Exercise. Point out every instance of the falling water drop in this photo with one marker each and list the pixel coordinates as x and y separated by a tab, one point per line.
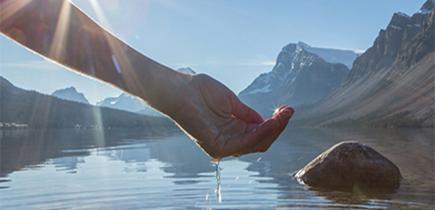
218	182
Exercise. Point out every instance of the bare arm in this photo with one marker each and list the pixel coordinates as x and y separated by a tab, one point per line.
207	110
59	31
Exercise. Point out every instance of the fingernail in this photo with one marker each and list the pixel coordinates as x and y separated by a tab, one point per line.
283	107
291	110
288	111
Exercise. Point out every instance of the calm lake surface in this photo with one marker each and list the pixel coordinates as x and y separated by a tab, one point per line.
130	169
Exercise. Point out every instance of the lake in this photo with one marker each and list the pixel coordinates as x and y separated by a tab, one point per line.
131	169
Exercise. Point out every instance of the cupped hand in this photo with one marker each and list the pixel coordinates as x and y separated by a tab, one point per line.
221	124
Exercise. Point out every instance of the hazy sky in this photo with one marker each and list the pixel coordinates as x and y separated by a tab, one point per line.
233	41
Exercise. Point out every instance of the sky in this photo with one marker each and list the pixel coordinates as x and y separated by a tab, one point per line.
233	41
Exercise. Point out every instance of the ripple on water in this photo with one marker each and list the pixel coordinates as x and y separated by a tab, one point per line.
171	172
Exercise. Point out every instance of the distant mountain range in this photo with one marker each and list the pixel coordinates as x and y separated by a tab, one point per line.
124	101
36	110
389	85
70	94
131	103
299	77
128	103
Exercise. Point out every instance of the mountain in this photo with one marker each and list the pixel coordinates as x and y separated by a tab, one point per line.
389	85
131	103
299	77
128	103
23	107
186	70
70	94
345	57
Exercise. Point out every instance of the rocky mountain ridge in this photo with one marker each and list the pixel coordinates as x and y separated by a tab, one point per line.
299	77
391	84
70	94
35	110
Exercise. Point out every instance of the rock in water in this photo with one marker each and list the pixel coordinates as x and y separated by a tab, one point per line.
351	166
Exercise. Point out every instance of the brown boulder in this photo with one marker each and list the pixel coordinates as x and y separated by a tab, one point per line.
351	166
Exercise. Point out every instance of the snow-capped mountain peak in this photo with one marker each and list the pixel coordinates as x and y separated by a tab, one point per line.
298	77
131	103
127	102
124	102
427	7
186	70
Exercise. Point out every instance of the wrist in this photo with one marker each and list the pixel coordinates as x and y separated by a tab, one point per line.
168	90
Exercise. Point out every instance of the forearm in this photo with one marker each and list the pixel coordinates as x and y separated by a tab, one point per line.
61	32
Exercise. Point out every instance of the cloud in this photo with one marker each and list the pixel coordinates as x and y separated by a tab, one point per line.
268	63
217	62
32	64
261	62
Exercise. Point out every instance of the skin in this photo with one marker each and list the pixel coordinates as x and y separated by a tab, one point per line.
209	112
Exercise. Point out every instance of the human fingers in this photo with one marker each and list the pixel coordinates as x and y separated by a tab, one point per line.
282	116
264	134
245	113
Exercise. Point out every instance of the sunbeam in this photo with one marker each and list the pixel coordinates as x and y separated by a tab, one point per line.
99	135
100	14
61	33
120	60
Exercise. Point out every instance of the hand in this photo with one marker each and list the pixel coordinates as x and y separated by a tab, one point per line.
221	124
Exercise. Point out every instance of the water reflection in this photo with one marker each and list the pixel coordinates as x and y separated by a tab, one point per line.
412	150
22	148
143	169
